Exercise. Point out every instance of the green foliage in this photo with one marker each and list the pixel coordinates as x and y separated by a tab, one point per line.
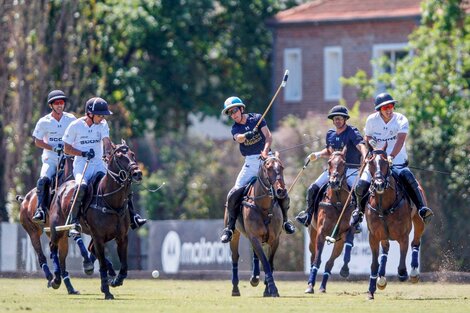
432	86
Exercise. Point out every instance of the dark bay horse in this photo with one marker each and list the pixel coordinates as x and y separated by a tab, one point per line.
261	223
329	210
390	216
104	215
28	207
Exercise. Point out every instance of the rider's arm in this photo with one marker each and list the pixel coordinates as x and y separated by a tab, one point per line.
398	145
68	149
269	140
41	144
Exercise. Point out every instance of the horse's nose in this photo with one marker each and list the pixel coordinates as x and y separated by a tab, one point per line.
137	176
281	193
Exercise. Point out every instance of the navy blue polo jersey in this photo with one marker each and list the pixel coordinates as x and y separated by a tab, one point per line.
256	144
350	138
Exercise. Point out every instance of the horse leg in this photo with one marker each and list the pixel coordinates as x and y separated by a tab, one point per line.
271	289
382	280
87	263
402	272
63	251
349	244
337	248
254	280
122	244
99	252
235	256
272	253
374	267
415	244
55	283
36	242
109	264
319	243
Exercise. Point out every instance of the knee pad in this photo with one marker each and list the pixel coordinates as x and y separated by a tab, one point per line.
407	177
284	203
312	192
361	188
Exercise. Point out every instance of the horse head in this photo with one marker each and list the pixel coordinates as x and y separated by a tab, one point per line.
379	170
123	164
337	168
273	175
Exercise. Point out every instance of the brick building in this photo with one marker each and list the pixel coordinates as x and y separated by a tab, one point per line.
323	40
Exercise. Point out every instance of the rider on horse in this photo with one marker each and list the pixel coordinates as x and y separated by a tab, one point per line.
342	136
85	139
386	127
254	146
48	136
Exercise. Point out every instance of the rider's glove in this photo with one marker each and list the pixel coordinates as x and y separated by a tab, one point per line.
373	143
59	149
313	156
88	154
390	160
249	134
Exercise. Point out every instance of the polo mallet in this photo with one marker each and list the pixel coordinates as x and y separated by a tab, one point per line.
331	239
76	193
298	175
67	226
283	84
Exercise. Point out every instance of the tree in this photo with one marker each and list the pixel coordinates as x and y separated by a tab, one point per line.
432	85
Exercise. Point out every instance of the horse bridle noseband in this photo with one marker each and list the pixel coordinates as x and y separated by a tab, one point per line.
385	177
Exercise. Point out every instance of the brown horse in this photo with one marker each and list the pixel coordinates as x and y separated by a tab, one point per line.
329	211
105	215
261	223
390	216
28	207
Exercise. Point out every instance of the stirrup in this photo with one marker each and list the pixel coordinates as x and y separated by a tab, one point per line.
39	217
227	235
304	218
289	228
137	221
426	214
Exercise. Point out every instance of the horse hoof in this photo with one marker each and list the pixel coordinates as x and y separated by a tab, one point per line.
74	292
88	268
344	272
55	284
254	281
414	279
109	296
235	292
309	289
370	296
403	278
381	282
322	290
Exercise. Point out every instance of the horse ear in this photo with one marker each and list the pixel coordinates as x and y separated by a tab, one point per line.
330	150
385	147
276	154
123	142
345	149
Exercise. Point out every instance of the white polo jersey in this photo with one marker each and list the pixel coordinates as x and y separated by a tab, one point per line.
83	137
387	133
51	132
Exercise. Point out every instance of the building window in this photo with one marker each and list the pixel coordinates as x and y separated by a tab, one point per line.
385	58
293	63
333	70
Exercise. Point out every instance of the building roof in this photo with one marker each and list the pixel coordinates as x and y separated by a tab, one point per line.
319	11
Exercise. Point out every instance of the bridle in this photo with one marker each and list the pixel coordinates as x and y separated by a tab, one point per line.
265	180
380	181
338	179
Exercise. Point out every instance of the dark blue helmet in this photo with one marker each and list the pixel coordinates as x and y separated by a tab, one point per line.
56	95
383	99
338	110
97	106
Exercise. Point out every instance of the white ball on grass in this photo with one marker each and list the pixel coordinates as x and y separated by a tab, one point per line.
155	274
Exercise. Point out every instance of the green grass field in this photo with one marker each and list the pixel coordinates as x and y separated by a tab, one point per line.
157	295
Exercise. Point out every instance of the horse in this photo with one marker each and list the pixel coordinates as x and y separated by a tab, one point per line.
390	216
28	206
104	216
329	211
261	223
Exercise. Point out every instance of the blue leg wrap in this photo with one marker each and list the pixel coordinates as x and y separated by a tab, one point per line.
383	264
55	262
81	246
235	279
313	275
324	281
46	271
256	270
415	257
